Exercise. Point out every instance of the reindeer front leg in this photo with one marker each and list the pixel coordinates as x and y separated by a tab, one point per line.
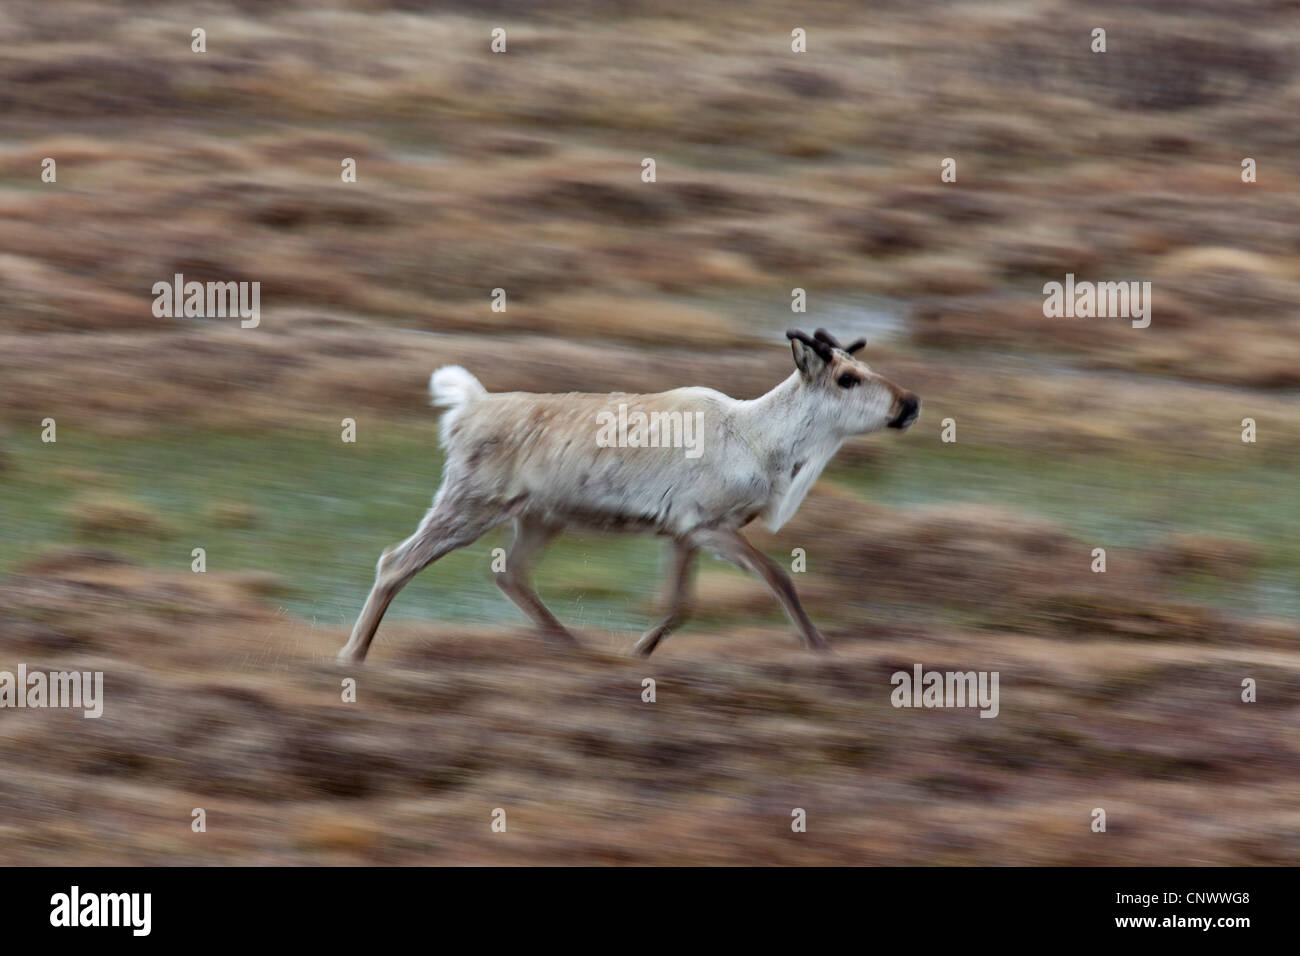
732	546
679	597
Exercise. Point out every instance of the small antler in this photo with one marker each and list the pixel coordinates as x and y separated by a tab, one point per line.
823	350
828	338
834	343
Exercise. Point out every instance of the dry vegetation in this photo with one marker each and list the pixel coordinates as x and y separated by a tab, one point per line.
1126	709
774	171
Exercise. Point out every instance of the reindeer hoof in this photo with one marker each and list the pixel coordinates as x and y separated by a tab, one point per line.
648	642
817	644
561	638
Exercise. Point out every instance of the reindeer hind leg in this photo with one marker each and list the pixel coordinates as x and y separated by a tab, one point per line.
450	524
531	535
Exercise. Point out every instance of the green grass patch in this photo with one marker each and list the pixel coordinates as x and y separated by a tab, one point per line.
310	508
318	513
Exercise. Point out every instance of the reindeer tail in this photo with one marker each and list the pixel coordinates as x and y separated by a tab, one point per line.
451	386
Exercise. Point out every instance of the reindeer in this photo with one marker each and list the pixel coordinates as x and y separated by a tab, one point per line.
536	460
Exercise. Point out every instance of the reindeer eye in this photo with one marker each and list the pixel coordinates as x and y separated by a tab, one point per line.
848	380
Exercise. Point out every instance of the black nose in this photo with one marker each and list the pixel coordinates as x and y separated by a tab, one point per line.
909	409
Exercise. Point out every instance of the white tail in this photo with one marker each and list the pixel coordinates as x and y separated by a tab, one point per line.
452	386
691	464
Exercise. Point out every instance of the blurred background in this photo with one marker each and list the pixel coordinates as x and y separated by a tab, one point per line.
775	171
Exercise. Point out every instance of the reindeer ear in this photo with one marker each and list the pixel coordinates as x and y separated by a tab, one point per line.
803	357
809	354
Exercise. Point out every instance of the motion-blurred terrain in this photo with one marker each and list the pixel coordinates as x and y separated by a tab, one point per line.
775	170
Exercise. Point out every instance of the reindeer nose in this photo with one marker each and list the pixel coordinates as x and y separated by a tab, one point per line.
909	410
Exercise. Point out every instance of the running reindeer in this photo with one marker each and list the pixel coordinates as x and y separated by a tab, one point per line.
692	464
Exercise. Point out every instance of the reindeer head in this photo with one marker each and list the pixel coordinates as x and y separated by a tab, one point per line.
845	389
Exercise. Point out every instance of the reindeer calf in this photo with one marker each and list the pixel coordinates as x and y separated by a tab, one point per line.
550	461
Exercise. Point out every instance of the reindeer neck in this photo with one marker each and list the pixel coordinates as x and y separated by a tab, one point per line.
793	446
784	423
